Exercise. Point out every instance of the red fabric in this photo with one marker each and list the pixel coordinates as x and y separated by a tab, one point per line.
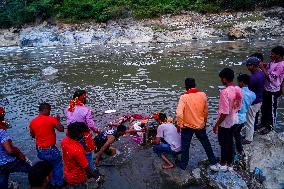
90	144
137	116
43	129
73	103
2	111
75	161
192	90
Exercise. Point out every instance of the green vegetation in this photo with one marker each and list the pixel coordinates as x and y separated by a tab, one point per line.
18	12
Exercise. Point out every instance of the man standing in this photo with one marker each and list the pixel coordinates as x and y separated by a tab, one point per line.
172	141
42	129
229	104
11	158
191	113
256	85
274	76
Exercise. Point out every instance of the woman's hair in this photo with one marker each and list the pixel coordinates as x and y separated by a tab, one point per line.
121	128
79	93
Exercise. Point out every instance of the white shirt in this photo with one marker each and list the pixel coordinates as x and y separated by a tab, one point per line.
169	132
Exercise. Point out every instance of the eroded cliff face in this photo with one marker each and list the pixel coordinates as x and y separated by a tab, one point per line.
168	28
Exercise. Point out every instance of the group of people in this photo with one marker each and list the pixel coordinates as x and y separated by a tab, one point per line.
72	165
239	107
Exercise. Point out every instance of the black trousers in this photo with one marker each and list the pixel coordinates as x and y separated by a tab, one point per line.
225	138
269	108
236	129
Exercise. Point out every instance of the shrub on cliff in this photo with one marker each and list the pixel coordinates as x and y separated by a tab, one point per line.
18	12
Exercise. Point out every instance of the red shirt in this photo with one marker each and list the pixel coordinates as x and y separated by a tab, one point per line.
75	161
89	141
43	128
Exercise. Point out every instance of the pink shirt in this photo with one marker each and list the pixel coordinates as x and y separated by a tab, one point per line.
276	76
81	114
230	103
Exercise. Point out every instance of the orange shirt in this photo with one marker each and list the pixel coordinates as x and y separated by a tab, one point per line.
192	110
75	161
43	129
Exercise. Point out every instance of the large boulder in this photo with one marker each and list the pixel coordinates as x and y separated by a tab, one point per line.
221	180
42	35
267	153
275	12
175	176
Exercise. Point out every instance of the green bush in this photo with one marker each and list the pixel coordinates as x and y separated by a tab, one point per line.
18	12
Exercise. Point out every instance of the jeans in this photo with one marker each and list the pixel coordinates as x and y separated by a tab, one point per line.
54	157
225	138
186	136
250	118
160	149
236	129
269	108
90	159
11	167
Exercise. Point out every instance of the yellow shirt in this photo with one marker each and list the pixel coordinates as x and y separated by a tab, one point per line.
192	110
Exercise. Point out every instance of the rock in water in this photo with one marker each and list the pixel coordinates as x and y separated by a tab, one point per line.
49	71
267	153
175	176
221	180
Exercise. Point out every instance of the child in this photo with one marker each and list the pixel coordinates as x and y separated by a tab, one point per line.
247	98
40	175
229	104
76	165
274	75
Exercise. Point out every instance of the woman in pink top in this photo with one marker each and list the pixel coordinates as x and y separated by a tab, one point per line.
274	75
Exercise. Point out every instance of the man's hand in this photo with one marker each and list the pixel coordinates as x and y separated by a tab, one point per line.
215	128
97	161
178	129
262	65
57	117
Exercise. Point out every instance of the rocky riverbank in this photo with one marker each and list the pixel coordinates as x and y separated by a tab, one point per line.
266	153
166	29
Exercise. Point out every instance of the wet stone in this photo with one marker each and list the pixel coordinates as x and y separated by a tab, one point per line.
175	176
222	180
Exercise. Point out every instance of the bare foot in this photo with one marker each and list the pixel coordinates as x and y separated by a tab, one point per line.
167	166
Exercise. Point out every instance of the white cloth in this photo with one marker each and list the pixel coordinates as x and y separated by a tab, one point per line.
249	125
169	132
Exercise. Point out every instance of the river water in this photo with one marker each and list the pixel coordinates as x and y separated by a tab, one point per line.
141	78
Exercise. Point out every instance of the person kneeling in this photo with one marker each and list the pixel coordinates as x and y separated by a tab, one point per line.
76	165
166	132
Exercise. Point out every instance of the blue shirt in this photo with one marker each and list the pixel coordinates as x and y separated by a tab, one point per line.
247	100
4	156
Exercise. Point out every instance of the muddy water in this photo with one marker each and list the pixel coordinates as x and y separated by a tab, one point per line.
142	78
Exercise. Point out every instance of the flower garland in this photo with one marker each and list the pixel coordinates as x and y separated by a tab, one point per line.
73	103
